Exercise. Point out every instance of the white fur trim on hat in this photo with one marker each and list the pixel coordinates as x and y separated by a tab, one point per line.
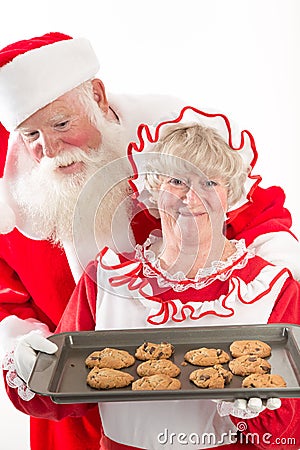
34	79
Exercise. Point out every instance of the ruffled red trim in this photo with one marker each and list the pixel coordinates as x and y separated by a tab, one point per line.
169	309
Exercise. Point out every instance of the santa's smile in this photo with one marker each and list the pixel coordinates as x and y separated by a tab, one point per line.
72	167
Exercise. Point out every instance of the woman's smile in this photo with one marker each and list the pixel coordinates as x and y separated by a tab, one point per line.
191	212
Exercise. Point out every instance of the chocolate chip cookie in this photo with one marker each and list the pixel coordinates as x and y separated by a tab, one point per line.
148	350
248	364
155	366
111	358
208	378
105	378
250	347
226	374
263	381
158	382
206	356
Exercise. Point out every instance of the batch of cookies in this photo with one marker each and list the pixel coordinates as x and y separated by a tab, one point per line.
248	360
156	371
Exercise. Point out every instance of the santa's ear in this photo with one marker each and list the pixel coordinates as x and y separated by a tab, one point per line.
100	95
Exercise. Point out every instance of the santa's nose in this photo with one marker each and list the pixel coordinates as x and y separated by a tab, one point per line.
50	146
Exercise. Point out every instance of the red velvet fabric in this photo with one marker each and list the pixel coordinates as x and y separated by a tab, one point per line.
35	281
8	53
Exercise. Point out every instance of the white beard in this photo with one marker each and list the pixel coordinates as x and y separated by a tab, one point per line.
48	198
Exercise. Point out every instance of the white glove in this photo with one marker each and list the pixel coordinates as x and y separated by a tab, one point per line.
25	352
12	328
247	409
24	337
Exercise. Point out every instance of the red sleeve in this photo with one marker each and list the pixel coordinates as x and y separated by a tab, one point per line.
13	295
264	214
142	223
78	316
35	279
282	426
44	408
80	313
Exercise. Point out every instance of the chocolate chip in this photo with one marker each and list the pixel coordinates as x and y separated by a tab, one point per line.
204	377
219	352
252	359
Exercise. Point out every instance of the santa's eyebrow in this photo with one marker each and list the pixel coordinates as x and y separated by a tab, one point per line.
25	129
61	117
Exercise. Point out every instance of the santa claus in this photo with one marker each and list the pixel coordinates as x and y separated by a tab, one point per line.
63	129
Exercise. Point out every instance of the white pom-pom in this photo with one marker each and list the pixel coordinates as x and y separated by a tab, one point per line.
7	218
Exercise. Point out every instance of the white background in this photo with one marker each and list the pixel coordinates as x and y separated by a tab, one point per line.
239	56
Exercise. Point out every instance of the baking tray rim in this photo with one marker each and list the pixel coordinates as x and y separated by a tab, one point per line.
95	396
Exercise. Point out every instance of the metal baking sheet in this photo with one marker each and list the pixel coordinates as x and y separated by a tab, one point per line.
63	376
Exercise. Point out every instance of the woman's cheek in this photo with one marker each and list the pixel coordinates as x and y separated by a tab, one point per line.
217	202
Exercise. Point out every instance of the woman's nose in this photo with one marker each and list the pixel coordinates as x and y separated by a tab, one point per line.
191	197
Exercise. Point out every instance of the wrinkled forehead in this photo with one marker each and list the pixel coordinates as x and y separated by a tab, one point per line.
64	107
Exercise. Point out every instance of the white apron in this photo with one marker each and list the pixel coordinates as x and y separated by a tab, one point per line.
176	424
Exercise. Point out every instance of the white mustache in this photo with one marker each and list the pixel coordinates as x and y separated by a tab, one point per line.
65	158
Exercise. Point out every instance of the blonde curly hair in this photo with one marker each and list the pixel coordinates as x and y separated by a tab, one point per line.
192	146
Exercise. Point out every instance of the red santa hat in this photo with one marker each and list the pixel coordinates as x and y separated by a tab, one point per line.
33	73
36	71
